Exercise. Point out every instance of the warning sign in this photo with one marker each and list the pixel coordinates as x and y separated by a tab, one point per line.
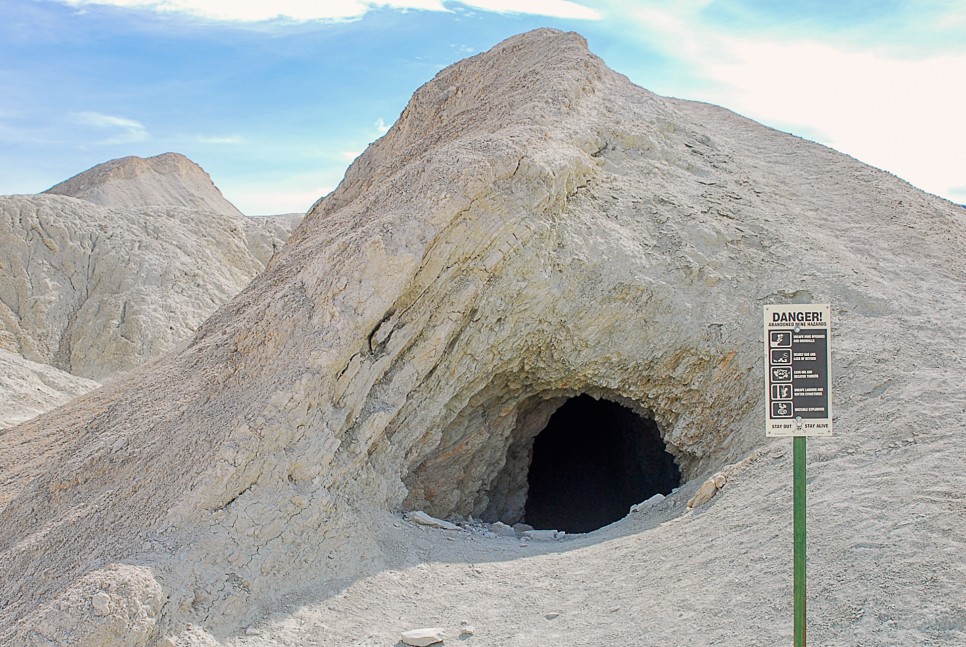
798	361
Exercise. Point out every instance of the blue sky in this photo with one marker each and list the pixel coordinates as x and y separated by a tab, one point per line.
274	99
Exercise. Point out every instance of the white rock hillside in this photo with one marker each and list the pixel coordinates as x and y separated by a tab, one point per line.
170	180
534	227
97	283
28	389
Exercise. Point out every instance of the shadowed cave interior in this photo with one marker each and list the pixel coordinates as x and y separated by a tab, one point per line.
592	462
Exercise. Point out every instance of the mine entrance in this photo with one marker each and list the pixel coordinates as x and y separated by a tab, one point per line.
592	461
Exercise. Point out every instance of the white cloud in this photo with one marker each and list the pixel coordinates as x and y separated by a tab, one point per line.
897	114
126	131
884	107
220	139
381	126
335	10
550	8
350	155
297	10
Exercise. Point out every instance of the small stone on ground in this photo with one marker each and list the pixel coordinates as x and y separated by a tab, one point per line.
423	637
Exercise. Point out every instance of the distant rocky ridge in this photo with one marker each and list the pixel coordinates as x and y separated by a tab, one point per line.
169	180
172	180
122	262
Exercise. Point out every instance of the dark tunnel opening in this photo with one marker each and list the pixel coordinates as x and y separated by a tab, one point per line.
591	463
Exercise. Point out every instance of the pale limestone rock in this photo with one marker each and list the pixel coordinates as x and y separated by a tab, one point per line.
101	603
166	180
657	498
95	291
116	605
423	519
423	637
28	389
533	227
503	530
707	490
704	494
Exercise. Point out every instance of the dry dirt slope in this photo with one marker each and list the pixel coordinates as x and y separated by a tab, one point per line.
532	228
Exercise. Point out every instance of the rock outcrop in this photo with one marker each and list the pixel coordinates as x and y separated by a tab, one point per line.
533	227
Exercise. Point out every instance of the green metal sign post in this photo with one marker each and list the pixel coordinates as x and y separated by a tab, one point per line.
798	359
798	579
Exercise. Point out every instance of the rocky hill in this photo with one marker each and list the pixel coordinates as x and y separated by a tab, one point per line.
169	180
534	231
95	291
123	261
172	180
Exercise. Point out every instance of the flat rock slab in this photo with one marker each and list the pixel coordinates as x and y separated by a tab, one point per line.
424	519
423	637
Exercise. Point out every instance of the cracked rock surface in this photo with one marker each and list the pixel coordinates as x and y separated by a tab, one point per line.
533	227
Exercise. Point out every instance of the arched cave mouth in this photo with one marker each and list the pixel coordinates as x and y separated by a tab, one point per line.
592	461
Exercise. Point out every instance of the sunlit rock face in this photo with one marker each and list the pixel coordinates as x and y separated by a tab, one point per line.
533	228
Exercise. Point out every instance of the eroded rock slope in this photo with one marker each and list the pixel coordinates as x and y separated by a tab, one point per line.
121	262
28	389
169	180
533	227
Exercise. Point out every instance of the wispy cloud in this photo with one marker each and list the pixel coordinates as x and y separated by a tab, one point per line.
291	10
549	8
381	126
219	139
125	131
880	99
336	10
